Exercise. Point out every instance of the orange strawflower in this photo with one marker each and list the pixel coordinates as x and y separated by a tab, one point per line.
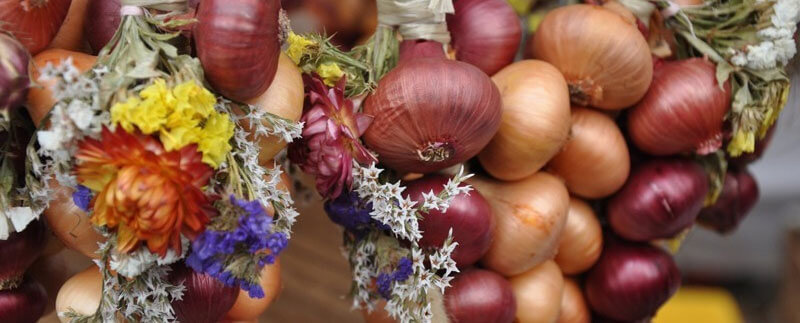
145	192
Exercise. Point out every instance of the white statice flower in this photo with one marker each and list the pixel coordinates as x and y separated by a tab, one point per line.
777	44
134	263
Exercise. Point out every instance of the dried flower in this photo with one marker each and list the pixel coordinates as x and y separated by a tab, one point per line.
298	47
82	197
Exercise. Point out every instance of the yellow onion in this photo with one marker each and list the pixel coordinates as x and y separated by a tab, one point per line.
69	223
53	270
81	293
573	304
246	308
70	35
538	292
582	239
530	215
595	161
605	59
535	121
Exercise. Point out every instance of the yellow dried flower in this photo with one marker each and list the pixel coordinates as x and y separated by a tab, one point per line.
330	73
298	46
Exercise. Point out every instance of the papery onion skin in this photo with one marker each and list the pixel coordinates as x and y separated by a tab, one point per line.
14	79
581	241
105	20
71	224
530	215
420	48
480	296
469	216
33	23
739	196
683	110
538	293
70	35
81	293
535	120
19	251
631	281
573	305
485	33
205	300
605	60
24	304
40	98
431	113
237	43
661	199
595	161
247	308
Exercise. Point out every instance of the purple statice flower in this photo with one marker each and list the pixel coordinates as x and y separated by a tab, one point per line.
82	197
404	270
349	211
384	283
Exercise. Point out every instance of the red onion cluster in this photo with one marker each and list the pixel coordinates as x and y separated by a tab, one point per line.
739	195
206	299
480	296
485	33
24	304
18	252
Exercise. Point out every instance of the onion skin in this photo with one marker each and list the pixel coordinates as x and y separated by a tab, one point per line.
104	22
33	23
420	48
283	98
595	161
480	296
19	251
81	293
23	304
573	305
661	199
535	122
246	308
538	293
71	224
431	114
14	79
469	216
683	110
40	98
581	241
485	33
739	196
530	216
70	35
206	299
631	281
605	60
237	43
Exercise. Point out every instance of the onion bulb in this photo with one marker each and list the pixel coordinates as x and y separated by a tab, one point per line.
246	308
538	292
595	161
573	306
535	122
70	35
81	293
40	98
24	304
283	98
431	113
33	22
69	223
19	251
237	43
661	199
605	59
581	241
683	110
739	195
530	216
485	33
631	281
480	296
104	23
205	300
14	81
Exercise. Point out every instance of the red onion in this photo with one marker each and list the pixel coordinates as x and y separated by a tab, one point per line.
33	22
24	304
631	281
14	79
485	33
469	215
237	43
682	111
739	195
420	48
432	113
104	19
480	296
206	299
660	199
18	252
761	147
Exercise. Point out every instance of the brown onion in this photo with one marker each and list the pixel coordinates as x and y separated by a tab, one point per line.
739	195
33	22
246	308
485	33
535	122
71	224
237	43
595	161
581	241
19	251
480	296
631	281
430	114
538	292
14	80
205	300
573	305
24	304
81	293
683	111
105	20
40	99
70	35
52	271
530	216
661	199
604	58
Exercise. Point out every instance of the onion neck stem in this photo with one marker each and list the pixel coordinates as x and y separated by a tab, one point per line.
10	283
584	91
436	152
